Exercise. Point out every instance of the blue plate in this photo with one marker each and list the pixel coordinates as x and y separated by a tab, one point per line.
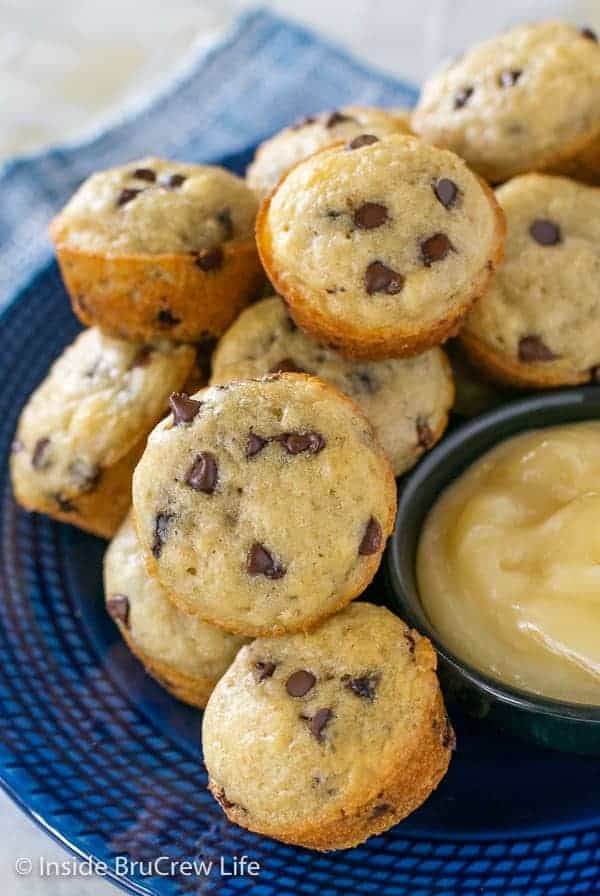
98	755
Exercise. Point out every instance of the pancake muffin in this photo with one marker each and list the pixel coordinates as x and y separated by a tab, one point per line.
380	250
538	325
157	248
184	654
407	400
526	100
84	428
282	151
264	506
344	729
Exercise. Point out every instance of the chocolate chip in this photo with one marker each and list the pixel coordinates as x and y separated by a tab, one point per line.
263	669
435	248
302	442
363	381
300	683
545	232
424	434
226	223
184	408
445	191
410	640
371	540
330	120
175	180
318	722
203	475
286	365
462	97
210	259
94	369
166	319
40	458
126	195
362	140
532	348
85	477
509	77
225	802
448	736
81	304
261	563
64	504
364	686
302	122
161	530
143	357
589	34
255	445
370	215
145	174
380	278
118	608
381	809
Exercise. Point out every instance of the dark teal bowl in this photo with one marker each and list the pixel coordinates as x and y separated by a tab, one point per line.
571	727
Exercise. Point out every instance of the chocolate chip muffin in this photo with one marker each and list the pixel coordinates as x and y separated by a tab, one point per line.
407	400
281	152
84	428
526	100
264	506
538	325
380	249
184	654
159	249
344	729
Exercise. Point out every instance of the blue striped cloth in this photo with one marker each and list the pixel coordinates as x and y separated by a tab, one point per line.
266	73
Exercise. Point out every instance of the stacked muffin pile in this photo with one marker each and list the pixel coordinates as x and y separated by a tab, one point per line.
262	503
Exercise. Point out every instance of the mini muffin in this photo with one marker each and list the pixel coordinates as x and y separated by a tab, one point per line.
526	100
157	248
344	729
184	654
538	325
280	153
380	250
407	400
264	506
84	428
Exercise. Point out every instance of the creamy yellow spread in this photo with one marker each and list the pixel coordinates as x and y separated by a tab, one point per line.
508	563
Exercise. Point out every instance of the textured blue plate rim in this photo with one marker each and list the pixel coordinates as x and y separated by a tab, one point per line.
7	783
17	790
462	835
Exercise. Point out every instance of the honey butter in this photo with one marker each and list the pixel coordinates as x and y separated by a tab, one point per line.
508	564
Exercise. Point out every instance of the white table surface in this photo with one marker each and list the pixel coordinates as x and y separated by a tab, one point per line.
56	86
